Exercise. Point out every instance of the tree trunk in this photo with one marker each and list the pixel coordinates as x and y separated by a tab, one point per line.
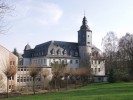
11	85
75	84
34	85
66	83
55	84
60	85
7	87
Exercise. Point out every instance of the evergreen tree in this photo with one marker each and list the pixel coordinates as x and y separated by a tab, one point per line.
111	78
15	52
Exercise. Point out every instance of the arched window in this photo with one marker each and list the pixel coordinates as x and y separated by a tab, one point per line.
52	51
59	52
64	52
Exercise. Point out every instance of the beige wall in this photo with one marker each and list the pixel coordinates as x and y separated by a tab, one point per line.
24	80
5	58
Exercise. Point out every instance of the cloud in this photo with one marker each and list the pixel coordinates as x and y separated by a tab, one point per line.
41	12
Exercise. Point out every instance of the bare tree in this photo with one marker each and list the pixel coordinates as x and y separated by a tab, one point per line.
10	71
84	75
81	74
110	44
33	72
4	8
126	52
66	74
57	71
76	75
15	52
45	73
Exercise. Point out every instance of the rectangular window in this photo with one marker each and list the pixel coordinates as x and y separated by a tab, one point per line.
13	62
71	61
30	78
27	79
92	61
21	80
95	69
76	61
98	69
99	62
88	42
24	69
17	80
10	62
9	86
18	69
24	79
91	69
21	69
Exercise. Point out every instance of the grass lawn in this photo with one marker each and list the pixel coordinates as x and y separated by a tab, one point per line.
97	91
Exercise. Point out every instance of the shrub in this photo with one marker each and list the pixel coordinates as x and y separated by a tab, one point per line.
112	78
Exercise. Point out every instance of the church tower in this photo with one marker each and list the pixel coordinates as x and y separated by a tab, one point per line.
84	43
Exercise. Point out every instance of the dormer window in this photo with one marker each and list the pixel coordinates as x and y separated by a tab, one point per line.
52	51
64	52
59	52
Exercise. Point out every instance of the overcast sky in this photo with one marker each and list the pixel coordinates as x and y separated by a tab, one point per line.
38	21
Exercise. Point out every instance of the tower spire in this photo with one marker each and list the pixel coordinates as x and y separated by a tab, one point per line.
84	23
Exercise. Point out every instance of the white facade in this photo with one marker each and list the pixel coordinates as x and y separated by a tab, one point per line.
98	67
75	55
45	62
26	61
